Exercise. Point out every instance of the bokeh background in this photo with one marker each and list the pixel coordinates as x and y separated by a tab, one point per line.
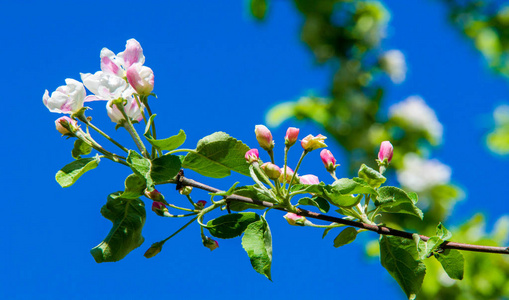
220	68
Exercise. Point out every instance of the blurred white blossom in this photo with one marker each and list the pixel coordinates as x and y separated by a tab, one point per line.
419	174
393	62
417	114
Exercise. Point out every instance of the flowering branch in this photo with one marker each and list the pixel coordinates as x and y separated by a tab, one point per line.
181	180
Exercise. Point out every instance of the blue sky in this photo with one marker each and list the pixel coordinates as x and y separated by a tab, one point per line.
215	70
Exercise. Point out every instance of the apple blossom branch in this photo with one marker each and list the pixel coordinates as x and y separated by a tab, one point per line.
182	181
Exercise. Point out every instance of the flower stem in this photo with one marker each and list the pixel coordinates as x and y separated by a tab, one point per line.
128	125
83	119
181	228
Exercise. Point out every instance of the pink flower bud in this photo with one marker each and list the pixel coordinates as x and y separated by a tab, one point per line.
141	78
186	190
252	156
328	160
291	136
272	171
154	195
66	125
201	203
210	243
289	175
295	220
386	151
264	137
309	179
310	143
159	208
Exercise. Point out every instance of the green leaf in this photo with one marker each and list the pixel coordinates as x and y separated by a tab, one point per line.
231	225
227	193
318	202
134	187
325	232
251	192
168	144
399	257
371	176
348	186
442	232
346	236
165	168
395	200
308	188
216	155
68	175
80	148
141	167
128	218
453	263
257	241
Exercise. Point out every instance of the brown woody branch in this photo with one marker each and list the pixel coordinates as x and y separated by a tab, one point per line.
378	229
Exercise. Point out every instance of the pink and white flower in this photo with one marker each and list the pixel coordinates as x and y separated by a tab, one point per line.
67	99
310	142
264	137
252	155
386	151
309	179
291	136
141	78
131	108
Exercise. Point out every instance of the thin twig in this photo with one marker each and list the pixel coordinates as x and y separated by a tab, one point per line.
378	229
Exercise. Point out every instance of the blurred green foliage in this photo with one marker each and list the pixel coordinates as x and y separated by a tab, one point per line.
347	36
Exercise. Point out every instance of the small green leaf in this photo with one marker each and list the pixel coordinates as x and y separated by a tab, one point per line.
227	193
325	232
371	176
128	218
307	188
80	148
68	175
217	155
453	263
257	241
395	200
250	191
141	167
165	168
356	185
318	202
168	144
442	232
134	187
399	257
346	236
231	225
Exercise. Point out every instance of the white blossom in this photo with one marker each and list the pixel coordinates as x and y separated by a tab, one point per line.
417	114
393	62
419	174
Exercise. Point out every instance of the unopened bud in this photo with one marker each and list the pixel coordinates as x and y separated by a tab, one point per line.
159	208
252	156
289	175
272	171
210	243
185	190
310	142
264	137
295	220
201	203
291	136
309	179
386	151
154	195
328	160
153	250
66	125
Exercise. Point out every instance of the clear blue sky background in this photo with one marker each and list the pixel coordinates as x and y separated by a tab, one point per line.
216	70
